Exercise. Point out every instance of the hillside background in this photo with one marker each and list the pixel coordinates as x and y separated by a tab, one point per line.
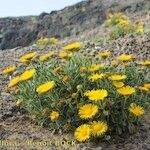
70	21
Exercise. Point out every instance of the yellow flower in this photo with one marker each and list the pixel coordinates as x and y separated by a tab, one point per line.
43	57
54	40
82	133
127	90
28	74
27	57
74	95
18	102
140	27
54	115
118	84
8	70
118	77
96	95
123	22
126	64
96	67
143	88
98	128
147	85
43	41
83	69
114	62
70	55
45	87
46	56
125	57
136	109
144	63
88	111
96	77
72	47
14	81
63	55
104	54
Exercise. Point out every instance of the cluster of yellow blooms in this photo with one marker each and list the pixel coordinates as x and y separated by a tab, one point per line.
46	41
85	131
72	47
97	97
124	24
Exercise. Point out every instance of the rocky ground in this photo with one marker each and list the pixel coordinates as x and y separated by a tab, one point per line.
15	124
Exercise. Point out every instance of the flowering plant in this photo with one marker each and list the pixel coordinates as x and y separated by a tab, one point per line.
80	94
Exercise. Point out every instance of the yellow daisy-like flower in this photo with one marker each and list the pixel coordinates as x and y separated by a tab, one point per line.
72	47
54	115
45	87
82	133
96	77
27	57
98	128
43	57
136	109
140	27
43	41
127	90
18	102
46	56
123	22
96	95
143	88
8	70
118	77
144	63
63	55
114	62
125	57
118	84
147	85
88	111
96	67
14	81
74	95
104	54
28	74
70	55
53	40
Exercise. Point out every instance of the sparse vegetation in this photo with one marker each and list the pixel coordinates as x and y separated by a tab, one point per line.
123	25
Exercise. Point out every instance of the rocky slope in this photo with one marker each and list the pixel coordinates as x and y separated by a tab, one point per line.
73	20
